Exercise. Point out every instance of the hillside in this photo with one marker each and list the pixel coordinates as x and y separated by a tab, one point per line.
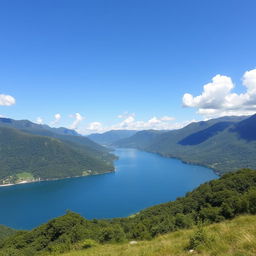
28	157
223	144
230	238
110	137
232	195
5	232
140	140
64	134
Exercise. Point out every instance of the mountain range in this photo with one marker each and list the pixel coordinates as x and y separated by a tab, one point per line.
223	144
110	137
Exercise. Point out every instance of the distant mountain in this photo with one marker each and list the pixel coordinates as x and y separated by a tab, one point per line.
140	140
224	144
247	129
30	152
28	125
61	133
110	137
203	135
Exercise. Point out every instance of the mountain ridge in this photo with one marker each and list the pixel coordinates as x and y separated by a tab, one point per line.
31	152
213	143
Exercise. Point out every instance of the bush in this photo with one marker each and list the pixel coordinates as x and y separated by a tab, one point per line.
88	243
198	239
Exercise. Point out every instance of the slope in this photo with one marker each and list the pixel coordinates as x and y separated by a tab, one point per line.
110	137
218	143
41	157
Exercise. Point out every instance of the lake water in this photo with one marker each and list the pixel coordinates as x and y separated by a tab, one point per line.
141	180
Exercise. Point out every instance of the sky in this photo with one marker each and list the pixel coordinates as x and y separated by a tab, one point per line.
96	65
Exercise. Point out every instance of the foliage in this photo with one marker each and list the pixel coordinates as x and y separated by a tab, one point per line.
24	155
5	232
229	238
199	238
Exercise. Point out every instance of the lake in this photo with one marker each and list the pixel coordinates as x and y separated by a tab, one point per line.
141	180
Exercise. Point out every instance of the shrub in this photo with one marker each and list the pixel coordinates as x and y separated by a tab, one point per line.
198	239
88	243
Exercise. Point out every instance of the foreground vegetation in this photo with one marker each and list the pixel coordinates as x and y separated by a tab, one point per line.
225	198
5	232
230	238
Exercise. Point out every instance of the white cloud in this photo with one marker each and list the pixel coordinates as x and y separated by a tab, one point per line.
39	120
95	126
217	98
56	120
129	122
78	118
6	100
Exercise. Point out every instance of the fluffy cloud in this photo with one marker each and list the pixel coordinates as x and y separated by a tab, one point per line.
78	118
39	120
95	126
129	122
56	120
217	98
6	100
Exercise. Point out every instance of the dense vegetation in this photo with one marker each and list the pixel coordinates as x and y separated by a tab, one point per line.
229	238
231	195
29	157
5	232
221	144
110	137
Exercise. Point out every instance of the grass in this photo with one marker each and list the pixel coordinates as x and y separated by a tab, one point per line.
236	237
24	176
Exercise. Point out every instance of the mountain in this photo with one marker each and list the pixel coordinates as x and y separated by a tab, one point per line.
246	129
140	140
61	133
222	144
31	152
110	137
230	196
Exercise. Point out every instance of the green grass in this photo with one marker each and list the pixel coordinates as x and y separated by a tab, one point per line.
230	238
25	176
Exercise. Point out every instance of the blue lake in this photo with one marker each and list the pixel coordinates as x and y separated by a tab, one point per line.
141	180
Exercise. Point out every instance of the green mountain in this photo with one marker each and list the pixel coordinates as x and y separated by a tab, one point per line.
222	144
61	133
110	137
31	152
232	195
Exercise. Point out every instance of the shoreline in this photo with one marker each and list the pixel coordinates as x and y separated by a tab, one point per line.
54	179
217	172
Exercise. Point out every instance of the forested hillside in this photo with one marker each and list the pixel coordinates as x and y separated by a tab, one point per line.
110	137
28	157
223	144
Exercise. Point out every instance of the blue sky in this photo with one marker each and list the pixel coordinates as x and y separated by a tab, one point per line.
92	61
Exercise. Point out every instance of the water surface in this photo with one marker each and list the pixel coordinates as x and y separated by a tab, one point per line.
141	180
